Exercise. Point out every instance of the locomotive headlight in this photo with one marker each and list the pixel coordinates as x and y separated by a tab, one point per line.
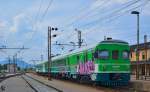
93	76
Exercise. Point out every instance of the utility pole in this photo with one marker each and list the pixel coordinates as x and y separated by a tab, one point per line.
105	38
49	49
137	52
41	57
49	37
145	46
79	38
9	64
14	63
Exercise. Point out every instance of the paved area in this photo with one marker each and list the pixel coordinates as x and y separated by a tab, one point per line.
15	84
142	84
38	86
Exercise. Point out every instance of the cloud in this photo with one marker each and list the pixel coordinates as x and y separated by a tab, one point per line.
3	24
145	9
16	21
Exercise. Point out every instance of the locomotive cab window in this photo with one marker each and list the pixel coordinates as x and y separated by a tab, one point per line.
103	54
125	55
115	54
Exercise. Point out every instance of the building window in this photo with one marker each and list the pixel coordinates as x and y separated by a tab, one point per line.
86	57
143	55
131	55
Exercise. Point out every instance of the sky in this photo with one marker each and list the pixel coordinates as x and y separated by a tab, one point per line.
24	23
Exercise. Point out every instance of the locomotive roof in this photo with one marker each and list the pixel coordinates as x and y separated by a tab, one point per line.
75	51
114	41
88	48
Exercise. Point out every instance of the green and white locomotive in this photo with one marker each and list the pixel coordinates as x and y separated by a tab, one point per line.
106	63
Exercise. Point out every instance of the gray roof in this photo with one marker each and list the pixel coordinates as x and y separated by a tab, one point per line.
141	46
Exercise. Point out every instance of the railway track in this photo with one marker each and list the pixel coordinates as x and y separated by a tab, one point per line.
6	77
38	86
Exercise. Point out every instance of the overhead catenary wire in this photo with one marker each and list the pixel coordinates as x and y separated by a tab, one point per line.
86	14
38	13
46	10
109	20
34	26
109	15
44	14
129	10
125	5
36	19
100	6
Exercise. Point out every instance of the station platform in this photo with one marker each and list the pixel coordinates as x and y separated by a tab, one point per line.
141	84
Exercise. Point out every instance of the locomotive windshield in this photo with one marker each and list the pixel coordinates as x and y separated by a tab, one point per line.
103	54
125	55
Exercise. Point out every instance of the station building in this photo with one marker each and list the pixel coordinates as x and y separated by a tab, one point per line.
144	58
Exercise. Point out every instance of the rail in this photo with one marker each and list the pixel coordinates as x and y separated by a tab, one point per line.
31	81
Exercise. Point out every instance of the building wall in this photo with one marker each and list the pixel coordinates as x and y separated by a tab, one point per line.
10	68
142	55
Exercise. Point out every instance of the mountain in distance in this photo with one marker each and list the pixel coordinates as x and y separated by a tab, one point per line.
20	63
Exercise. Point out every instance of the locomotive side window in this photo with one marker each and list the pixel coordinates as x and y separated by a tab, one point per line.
103	54
115	54
125	55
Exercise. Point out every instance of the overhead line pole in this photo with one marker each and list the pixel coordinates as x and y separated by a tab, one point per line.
79	38
49	49
9	64
49	32
145	46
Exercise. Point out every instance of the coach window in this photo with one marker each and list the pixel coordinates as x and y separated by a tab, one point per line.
103	54
92	55
125	55
86	56
115	54
78	58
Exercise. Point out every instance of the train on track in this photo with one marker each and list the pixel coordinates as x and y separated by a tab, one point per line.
106	63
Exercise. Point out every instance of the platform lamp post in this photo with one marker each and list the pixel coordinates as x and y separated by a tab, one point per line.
49	49
137	51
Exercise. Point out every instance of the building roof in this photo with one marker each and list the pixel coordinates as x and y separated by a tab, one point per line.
141	46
